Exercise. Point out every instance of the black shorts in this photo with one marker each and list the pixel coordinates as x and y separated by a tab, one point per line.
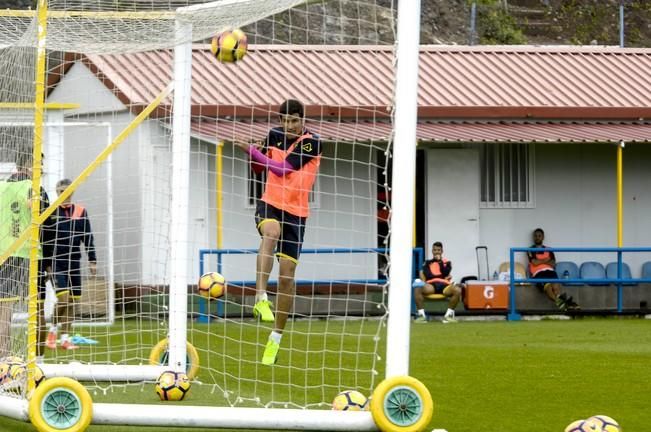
439	287
544	274
68	281
292	229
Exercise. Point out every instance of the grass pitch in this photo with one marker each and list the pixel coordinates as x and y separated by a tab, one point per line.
489	376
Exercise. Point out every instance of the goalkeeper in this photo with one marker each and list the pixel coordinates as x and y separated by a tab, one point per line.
15	218
291	156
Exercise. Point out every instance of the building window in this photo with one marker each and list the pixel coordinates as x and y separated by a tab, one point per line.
507	173
256	184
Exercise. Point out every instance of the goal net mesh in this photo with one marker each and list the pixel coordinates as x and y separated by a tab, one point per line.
106	61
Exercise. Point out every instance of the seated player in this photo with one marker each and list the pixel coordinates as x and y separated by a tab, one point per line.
438	280
542	265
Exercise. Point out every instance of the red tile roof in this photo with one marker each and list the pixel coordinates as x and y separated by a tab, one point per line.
442	131
356	81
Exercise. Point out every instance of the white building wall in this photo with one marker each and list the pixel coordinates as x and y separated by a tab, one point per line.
576	205
81	146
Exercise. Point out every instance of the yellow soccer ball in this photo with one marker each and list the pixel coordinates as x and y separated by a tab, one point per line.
229	46
211	285
583	426
350	400
8	368
172	386
607	424
18	373
4	373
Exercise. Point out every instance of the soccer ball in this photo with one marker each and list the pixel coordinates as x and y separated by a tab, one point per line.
229	46
607	424
583	426
350	400
18	373
172	386
211	285
4	373
8	368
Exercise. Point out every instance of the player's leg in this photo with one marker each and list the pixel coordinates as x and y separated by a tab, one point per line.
60	318
268	226
570	304
289	249
419	298
286	291
65	305
41	330
41	333
553	290
284	302
453	293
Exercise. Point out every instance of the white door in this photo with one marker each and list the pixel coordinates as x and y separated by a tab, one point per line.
452	203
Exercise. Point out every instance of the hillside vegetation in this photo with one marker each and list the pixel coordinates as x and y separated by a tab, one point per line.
566	22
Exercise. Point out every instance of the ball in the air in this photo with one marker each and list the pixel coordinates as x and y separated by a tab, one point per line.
229	46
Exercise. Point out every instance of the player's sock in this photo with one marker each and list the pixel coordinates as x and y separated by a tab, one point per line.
449	313
260	295
421	312
275	336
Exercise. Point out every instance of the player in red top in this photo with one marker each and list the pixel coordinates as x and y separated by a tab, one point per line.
291	157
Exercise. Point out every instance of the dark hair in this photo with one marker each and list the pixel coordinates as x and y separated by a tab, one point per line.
24	159
64	182
438	243
540	230
290	107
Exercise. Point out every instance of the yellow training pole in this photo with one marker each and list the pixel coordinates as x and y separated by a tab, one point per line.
219	198
39	103
620	195
49	105
90	168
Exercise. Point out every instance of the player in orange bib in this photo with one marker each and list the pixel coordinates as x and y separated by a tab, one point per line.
542	265
437	278
290	156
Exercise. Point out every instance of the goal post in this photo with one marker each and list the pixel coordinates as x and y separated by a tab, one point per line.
175	182
404	162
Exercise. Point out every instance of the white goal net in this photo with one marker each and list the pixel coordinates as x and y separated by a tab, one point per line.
140	127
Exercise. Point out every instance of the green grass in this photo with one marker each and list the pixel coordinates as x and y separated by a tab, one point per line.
489	376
